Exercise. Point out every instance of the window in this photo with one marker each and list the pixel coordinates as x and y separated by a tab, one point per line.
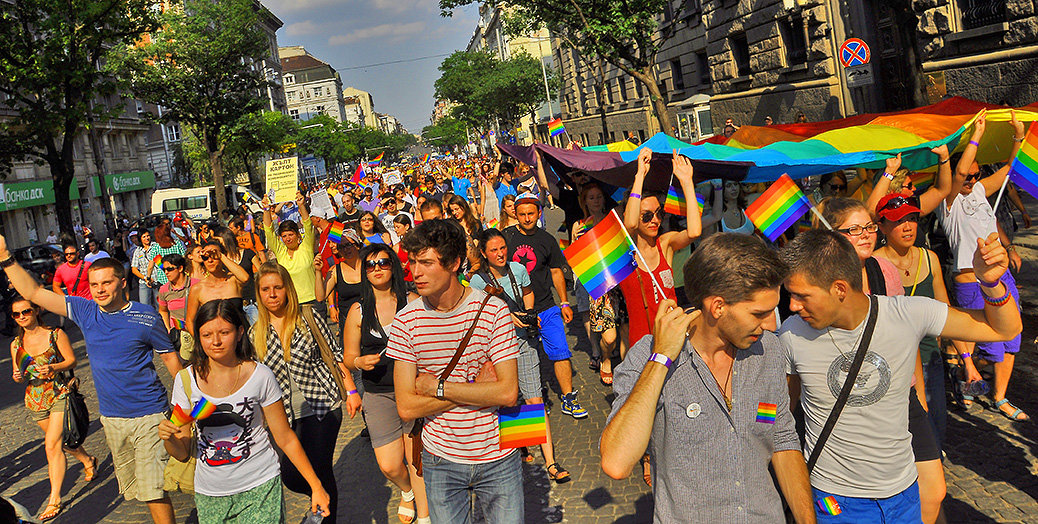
637	87
294	113
290	79
676	77
741	54
703	65
621	83
794	39
140	107
317	92
979	13
319	110
291	95
173	132
327	91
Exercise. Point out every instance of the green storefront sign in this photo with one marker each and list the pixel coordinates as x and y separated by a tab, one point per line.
123	182
18	195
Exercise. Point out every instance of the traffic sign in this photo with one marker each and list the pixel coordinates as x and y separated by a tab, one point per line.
859	76
854	52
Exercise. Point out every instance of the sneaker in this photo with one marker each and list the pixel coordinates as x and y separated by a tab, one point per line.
571	407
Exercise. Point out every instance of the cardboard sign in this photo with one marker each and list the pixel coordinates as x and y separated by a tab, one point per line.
282	179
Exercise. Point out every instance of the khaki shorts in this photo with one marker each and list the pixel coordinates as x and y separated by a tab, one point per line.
138	454
187	345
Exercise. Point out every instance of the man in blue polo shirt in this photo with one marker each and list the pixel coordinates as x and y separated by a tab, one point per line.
120	338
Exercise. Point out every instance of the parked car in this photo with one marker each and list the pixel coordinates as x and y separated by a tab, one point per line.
40	260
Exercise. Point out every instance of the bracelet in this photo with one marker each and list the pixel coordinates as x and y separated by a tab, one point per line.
636	195
1021	139
945	161
660	358
7	262
991	286
965	355
974	143
563	304
351	392
997	302
888	176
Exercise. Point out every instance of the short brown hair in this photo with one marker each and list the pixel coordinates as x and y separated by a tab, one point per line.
731	266
823	257
108	263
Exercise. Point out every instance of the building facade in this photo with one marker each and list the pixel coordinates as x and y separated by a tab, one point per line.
312	87
365	105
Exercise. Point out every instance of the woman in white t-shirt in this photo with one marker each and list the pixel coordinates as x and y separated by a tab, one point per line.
237	476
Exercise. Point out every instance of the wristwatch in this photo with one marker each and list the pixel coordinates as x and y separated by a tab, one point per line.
439	390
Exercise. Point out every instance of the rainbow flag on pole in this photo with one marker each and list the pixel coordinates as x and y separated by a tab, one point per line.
1024	169
555	127
377	160
778	208
603	256
335	232
521	426
676	204
424	159
24	360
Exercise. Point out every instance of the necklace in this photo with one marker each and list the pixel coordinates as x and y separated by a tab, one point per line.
237	377
907	267
828	330
727	380
462	297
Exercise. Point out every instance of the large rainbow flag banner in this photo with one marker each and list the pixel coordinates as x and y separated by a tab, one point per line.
555	127
1024	169
377	160
603	256
522	426
778	208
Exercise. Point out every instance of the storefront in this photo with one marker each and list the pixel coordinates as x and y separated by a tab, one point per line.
131	192
27	214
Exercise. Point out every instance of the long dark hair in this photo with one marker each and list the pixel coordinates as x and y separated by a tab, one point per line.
229	311
368	312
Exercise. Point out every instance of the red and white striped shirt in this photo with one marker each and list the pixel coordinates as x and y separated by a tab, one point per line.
429	339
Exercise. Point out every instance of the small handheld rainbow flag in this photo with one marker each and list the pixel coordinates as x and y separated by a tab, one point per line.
203	409
766	412
157	261
377	160
424	159
176	323
778	208
179	417
335	232
1024	169
521	426
676	204
492	224
556	128
24	360
829	506
602	257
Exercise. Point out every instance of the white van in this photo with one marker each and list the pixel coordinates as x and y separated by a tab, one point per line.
199	203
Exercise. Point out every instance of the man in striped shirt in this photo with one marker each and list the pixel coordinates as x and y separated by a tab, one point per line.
460	436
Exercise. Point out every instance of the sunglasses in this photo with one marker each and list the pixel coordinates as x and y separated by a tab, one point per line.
71	254
207	256
647	216
857	231
22	313
899	201
973	177
382	263
837	187
174	268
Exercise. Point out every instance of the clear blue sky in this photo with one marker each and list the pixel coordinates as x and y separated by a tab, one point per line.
349	33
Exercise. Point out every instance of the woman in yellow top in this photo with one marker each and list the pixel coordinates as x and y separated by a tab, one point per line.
294	251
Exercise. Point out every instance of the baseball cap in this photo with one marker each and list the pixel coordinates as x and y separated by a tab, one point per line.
528	198
350	235
896	206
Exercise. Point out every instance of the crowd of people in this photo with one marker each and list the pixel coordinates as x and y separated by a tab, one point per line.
428	303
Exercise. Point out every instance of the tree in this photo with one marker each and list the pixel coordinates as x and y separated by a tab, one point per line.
485	88
202	68
323	137
255	137
50	53
621	33
448	132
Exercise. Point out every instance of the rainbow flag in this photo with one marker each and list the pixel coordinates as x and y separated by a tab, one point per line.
778	208
24	360
424	159
492	224
179	417
766	412
563	244
203	409
603	256
829	506
157	261
335	232
521	426
922	180
1024	169
676	204
555	127
176	323
377	160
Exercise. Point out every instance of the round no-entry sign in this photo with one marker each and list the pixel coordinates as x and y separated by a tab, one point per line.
854	52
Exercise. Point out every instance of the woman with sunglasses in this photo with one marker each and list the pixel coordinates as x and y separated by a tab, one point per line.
51	353
372	230
285	343
383	293
345	278
247	259
654	279
224	278
850	218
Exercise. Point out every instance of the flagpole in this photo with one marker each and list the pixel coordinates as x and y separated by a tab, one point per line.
1005	181
639	253
820	217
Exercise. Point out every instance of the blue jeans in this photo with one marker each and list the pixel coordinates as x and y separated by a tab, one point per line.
145	294
902	508
933	374
498	487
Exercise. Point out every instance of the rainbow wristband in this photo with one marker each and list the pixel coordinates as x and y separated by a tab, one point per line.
660	358
997	302
974	143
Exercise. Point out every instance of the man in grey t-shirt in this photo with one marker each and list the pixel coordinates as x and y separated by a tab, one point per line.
865	471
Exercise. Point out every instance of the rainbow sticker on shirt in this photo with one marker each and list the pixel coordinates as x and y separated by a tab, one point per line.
829	506
766	412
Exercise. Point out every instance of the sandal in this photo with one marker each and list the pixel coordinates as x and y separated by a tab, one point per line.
606	378
52	510
561	476
526	455
1015	416
90	473
646	471
967	401
404	513
595	363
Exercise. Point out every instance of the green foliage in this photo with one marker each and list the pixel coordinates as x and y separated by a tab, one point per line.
448	132
50	52
485	88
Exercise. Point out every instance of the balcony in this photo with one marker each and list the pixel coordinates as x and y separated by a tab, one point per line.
981	13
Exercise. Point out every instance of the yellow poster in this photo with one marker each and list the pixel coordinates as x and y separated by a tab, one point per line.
282	179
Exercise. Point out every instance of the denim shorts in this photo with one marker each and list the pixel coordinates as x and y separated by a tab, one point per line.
553	334
902	508
969	296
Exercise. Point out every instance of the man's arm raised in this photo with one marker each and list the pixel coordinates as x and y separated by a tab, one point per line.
28	287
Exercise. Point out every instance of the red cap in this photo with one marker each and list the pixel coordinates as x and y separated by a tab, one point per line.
896	206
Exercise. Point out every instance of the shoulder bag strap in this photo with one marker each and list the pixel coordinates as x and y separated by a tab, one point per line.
464	341
82	264
326	351
848	384
874	273
515	287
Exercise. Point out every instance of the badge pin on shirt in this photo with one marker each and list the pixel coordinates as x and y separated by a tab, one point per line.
693	410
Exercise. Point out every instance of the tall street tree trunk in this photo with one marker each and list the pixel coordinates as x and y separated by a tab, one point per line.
215	152
99	164
656	99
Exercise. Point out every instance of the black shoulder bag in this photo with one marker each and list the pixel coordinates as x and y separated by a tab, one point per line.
848	384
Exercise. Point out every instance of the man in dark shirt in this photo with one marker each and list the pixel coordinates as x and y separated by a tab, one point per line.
349	214
539	253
